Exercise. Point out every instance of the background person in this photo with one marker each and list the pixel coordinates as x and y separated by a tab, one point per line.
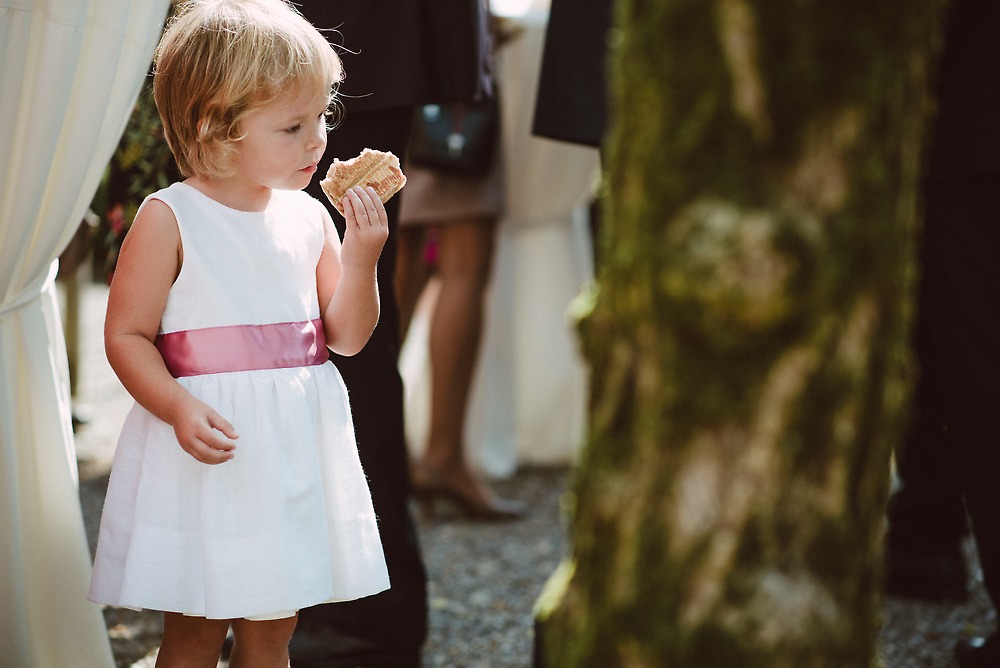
453	216
397	54
958	323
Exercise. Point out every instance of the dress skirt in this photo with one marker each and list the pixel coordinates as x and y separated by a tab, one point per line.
287	523
432	197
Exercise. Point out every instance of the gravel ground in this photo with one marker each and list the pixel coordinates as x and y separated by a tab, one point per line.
484	578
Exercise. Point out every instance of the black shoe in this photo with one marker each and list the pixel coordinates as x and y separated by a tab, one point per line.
978	652
319	649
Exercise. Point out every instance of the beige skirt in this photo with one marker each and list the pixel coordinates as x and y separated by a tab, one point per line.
432	197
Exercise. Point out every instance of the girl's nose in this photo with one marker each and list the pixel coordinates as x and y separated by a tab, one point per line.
318	137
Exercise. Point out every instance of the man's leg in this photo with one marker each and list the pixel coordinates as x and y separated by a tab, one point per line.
927	523
961	287
389	628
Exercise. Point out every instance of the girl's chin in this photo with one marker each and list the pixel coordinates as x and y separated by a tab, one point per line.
298	182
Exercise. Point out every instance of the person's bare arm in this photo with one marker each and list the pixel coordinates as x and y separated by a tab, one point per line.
147	266
346	275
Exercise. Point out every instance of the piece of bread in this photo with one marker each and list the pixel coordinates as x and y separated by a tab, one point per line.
377	169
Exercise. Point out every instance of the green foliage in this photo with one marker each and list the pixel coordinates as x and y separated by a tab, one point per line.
141	164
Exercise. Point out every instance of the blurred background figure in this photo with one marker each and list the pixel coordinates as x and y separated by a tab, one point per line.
926	514
447	228
397	54
572	94
958	323
572	90
72	263
527	400
571	104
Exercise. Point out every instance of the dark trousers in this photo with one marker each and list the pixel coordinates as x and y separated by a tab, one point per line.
959	332
927	513
389	628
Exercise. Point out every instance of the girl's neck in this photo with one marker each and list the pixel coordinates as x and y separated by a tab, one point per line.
232	194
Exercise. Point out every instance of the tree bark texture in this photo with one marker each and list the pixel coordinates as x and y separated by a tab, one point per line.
747	335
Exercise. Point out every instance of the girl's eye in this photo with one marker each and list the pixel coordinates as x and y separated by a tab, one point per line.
295	128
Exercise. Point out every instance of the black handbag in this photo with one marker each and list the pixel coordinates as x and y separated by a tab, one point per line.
456	138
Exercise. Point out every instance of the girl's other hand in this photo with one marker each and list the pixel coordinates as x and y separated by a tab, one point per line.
366	230
200	431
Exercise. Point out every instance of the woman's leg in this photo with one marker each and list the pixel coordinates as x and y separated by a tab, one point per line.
465	253
191	642
261	644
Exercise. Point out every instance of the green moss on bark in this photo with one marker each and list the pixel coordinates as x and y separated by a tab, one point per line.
748	336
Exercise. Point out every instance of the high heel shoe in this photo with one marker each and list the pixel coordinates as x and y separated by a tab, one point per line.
429	485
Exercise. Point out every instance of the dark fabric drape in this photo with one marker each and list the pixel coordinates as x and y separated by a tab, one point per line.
572	91
406	52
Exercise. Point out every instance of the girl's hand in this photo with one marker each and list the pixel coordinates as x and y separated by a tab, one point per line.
200	431
366	231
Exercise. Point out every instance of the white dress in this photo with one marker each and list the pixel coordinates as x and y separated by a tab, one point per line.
288	522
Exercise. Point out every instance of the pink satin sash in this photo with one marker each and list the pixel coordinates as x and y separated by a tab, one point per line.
195	352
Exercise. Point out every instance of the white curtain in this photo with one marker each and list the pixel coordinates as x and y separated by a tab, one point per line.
70	71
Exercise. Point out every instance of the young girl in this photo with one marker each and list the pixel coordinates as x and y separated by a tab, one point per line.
237	496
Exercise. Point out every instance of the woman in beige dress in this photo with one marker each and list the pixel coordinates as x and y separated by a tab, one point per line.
447	230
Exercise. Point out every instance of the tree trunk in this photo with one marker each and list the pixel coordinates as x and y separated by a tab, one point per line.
748	335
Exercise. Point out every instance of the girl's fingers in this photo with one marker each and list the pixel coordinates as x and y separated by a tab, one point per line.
383	218
371	213
217	448
211	453
354	205
348	206
216	421
206	453
365	206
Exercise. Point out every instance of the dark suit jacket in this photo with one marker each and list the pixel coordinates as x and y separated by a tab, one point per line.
965	135
396	54
400	53
572	92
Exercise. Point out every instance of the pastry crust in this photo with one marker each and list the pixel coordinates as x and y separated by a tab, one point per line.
378	169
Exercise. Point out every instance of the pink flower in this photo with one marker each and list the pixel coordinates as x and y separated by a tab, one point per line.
116	219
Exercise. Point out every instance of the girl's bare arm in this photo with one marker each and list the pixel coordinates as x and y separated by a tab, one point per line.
346	275
147	266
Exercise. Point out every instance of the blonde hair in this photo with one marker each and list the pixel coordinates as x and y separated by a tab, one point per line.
219	60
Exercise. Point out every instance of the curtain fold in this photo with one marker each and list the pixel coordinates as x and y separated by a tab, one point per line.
70	71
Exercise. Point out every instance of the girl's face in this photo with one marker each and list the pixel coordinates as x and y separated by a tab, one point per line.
283	140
